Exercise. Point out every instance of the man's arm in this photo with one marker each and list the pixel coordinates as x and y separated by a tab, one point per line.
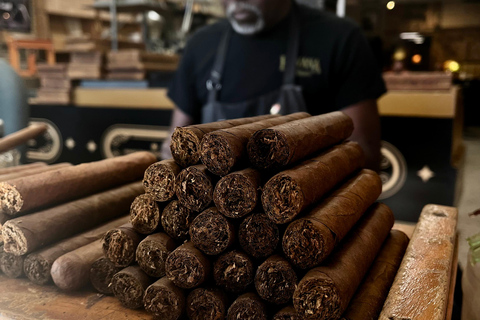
366	131
179	119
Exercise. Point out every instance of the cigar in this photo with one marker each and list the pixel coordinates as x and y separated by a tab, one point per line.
187	267
129	286
152	252
185	144
71	271
224	150
145	214
233	271
165	300
53	187
25	234
21	168
309	240
38	264
32	171
195	187
287	313
291	191
276	147
369	298
211	232
238	193
247	306
120	244
258	235
325	291
206	304
20	137
159	180
176	220
10	264
275	280
101	274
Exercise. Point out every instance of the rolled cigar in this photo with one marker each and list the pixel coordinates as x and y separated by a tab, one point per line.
211	232
291	191
152	252
369	298
165	300
275	280
176	220
129	286
120	244
53	187
278	146
20	137
145	214
22	167
325	291
101	274
26	234
238	193
258	235
287	313
187	267
309	240
32	171
11	265
247	306
71	271
233	271
206	304
159	180
3	218
226	149
38	264
185	145
195	187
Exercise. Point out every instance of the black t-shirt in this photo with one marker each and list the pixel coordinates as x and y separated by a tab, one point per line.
335	65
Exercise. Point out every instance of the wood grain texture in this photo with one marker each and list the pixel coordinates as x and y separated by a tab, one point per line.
420	289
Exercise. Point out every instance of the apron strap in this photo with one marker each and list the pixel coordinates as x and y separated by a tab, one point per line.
214	84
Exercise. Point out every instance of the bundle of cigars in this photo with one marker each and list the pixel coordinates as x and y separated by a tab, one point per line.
268	217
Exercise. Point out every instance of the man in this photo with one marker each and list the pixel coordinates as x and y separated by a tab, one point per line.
278	53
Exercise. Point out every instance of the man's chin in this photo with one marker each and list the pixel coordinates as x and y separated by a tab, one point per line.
247	28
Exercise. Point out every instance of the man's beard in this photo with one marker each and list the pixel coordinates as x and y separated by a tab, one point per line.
245	28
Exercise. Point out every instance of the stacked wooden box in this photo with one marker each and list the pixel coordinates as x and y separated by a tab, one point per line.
85	65
55	86
135	64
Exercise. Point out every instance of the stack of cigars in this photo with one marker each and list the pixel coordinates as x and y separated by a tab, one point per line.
269	217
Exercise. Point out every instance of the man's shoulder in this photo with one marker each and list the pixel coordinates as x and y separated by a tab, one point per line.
209	32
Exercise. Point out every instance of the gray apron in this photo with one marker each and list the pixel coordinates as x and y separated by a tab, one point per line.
288	96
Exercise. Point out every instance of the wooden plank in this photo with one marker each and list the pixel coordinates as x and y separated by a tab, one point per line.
429	104
420	289
123	98
453	281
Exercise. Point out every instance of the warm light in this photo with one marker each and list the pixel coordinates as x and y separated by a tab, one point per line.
399	54
6	15
416	58
390	5
153	16
451	65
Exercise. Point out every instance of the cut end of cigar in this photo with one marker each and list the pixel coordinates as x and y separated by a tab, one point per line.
159	181
235	196
203	304
275	280
11	201
317	299
217	154
268	149
118	248
247	306
128	290
11	265
287	313
282	199
184	147
151	257
144	214
233	271
176	220
304	244
184	269
211	232
165	301
258	235
14	241
101	274
194	189
37	269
